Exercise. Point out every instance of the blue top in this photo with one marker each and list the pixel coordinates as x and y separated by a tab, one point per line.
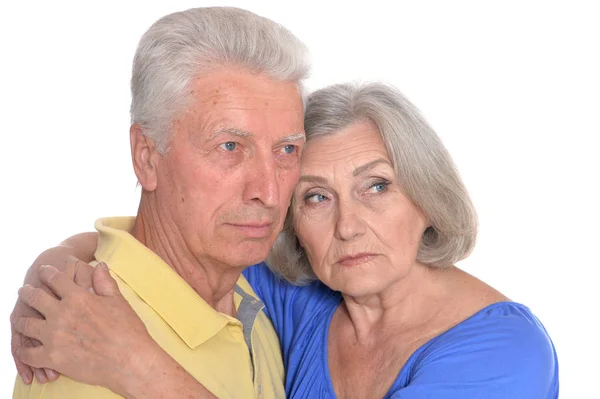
500	352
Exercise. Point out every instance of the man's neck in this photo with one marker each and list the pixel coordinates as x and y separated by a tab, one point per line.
213	281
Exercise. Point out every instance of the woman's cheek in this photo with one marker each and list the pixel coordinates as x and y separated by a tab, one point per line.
315	233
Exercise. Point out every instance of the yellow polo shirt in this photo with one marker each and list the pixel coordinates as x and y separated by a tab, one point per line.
233	358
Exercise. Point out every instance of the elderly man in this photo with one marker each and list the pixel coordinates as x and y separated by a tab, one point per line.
216	136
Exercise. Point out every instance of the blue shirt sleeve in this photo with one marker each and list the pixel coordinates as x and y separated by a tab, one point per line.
504	354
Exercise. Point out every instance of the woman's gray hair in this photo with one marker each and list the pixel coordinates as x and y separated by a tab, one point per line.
180	46
422	164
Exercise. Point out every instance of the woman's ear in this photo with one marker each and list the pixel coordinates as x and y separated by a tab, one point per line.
144	156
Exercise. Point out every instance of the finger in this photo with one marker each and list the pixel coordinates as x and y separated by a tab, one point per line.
25	372
35	357
22	309
104	284
38	299
23	369
52	375
82	272
60	283
29	327
40	376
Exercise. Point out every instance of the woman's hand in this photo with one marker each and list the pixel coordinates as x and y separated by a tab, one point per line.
95	339
64	258
98	339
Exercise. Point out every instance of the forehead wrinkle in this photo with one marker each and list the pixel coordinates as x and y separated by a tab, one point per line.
340	158
326	146
312	178
242	102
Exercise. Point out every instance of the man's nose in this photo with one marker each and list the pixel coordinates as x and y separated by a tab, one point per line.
263	183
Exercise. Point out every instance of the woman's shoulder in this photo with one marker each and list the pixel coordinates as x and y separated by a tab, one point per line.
508	326
503	343
481	308
514	318
489	312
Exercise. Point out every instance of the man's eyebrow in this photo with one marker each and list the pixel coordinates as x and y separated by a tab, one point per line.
312	178
232	131
368	165
243	133
293	137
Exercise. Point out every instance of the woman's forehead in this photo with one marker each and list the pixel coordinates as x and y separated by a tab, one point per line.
349	147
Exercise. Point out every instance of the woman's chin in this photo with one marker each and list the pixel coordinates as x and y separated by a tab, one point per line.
371	278
360	287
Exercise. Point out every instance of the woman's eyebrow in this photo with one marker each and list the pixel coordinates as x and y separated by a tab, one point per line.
368	165
312	178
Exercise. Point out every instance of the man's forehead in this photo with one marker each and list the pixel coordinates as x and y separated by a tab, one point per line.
238	103
234	84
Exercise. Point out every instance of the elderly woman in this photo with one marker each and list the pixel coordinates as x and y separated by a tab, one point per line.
379	216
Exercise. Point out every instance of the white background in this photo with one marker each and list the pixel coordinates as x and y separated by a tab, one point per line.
512	88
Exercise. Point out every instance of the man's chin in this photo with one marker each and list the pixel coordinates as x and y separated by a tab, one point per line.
249	253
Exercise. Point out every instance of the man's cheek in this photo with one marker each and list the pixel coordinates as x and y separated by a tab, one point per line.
288	184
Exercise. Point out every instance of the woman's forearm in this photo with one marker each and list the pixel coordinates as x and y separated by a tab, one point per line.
82	246
70	256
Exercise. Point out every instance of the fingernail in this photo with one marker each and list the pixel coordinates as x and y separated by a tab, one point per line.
103	266
19	291
51	374
43	267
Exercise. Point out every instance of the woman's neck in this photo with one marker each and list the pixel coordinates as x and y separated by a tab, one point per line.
413	300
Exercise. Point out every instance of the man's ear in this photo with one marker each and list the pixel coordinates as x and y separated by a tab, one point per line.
144	156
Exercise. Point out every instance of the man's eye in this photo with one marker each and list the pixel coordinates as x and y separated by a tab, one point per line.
229	146
289	149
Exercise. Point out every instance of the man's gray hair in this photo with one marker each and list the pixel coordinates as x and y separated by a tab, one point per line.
180	46
422	164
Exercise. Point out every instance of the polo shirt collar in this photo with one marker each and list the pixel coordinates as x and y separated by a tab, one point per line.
157	284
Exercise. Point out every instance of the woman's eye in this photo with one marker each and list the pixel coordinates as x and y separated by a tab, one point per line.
378	187
315	198
289	149
229	146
